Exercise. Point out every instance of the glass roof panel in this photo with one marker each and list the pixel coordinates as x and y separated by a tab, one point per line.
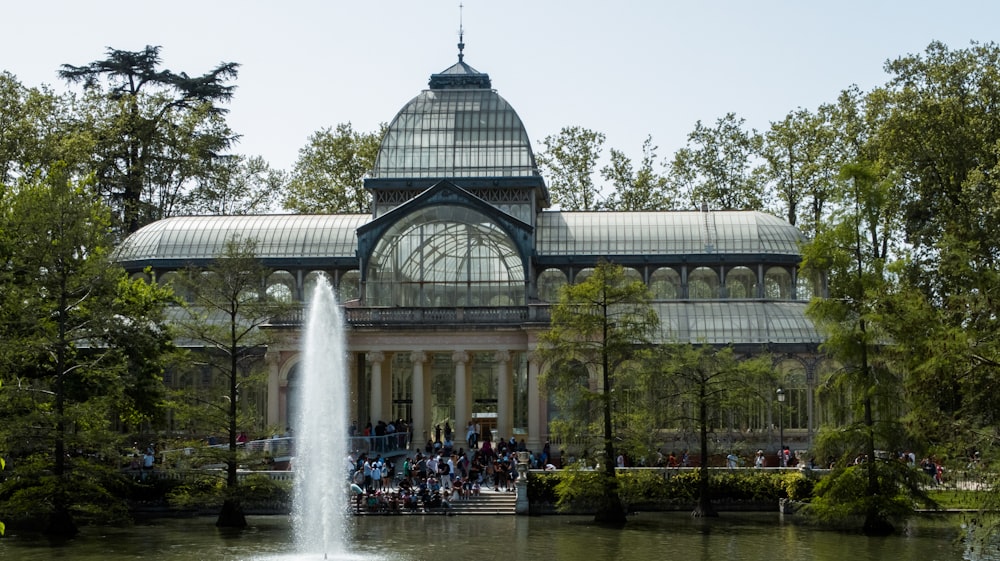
727	322
456	133
670	233
278	236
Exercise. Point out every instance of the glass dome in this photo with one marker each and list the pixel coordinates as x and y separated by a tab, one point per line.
448	133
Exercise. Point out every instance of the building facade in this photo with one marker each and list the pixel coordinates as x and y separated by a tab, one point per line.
447	283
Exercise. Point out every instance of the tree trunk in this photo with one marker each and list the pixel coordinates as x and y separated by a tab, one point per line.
232	515
704	508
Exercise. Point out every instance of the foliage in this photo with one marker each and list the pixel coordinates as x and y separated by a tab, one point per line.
578	489
80	342
602	326
202	491
235	185
637	190
846	493
797	166
155	129
328	177
700	382
30	494
569	161
226	312
716	166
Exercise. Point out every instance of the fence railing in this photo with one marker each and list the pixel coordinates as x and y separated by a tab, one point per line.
279	449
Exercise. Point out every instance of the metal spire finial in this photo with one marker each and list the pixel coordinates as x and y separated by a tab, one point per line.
461	43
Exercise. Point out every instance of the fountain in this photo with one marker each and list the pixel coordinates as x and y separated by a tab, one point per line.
320	510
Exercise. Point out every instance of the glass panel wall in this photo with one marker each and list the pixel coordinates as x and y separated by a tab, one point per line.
443	257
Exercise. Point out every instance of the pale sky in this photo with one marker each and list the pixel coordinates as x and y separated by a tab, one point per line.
627	68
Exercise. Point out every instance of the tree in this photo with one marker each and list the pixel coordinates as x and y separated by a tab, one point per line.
642	190
237	185
36	131
569	161
227	311
716	165
603	324
80	346
328	177
701	382
856	249
157	128
796	165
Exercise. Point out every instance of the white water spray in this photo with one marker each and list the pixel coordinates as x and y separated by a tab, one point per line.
320	428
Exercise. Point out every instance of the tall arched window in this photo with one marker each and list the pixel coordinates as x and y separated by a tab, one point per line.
741	283
550	281
445	256
665	284
777	284
703	283
281	286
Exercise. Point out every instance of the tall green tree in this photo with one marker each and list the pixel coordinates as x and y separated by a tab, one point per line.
80	346
569	162
328	177
227	312
856	249
797	168
157	127
640	189
716	166
604	325
700	383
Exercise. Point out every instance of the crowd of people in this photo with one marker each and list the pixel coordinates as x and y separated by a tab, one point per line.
432	479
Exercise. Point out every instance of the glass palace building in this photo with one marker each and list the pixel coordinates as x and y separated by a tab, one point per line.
448	282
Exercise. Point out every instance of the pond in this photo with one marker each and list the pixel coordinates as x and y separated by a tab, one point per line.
550	538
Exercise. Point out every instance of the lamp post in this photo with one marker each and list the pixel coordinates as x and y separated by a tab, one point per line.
781	425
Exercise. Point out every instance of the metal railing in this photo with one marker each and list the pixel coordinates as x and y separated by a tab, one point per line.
282	449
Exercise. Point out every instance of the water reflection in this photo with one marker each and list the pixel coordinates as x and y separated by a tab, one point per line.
553	538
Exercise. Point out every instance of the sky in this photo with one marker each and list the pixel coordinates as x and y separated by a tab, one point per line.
626	68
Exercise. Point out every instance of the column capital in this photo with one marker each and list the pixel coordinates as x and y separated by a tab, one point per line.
461	357
418	357
502	356
375	356
535	357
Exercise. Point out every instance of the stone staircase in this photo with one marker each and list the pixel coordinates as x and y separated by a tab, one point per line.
488	502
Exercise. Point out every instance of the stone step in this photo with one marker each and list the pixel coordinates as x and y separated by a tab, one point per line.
487	502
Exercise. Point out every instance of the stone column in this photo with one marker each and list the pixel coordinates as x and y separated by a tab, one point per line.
505	390
375	358
535	428
418	429
462	414
271	359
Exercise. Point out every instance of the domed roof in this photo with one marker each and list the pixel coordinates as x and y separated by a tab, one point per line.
459	128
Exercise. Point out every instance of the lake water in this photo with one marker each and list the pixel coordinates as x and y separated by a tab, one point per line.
549	538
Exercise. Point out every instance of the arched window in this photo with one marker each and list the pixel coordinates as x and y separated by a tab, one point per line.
665	284
703	284
807	286
281	286
550	282
445	256
582	275
170	279
777	284
741	283
309	285
349	287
